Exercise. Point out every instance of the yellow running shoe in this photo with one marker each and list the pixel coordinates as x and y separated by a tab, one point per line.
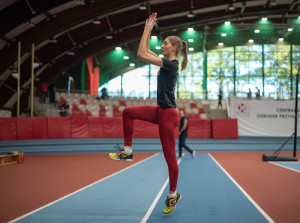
171	203
122	155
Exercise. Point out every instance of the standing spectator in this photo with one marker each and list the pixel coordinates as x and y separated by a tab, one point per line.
220	96
257	93
52	90
249	94
43	89
183	131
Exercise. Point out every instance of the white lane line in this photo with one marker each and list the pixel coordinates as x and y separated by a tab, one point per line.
244	192
151	208
47	205
281	165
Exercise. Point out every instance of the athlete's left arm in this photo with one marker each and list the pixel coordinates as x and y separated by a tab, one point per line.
143	52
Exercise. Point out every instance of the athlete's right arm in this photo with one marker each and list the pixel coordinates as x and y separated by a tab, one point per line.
144	53
148	48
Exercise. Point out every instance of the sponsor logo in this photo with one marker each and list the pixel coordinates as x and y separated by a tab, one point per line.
242	110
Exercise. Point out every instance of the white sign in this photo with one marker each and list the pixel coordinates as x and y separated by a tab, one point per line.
263	117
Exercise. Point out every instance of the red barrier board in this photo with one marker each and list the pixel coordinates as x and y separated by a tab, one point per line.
39	128
95	126
66	127
224	129
199	128
55	128
24	128
79	127
112	127
105	127
8	128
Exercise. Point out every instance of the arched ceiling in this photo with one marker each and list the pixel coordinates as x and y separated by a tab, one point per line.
64	34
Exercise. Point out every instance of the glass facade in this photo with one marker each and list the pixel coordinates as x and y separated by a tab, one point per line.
269	68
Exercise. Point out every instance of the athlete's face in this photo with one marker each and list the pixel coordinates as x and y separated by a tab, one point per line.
167	48
181	113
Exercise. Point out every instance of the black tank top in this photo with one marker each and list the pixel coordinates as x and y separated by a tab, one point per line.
166	83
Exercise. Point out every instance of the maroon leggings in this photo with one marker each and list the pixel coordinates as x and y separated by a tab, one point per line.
167	119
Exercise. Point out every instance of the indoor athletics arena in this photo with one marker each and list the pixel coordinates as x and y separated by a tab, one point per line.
201	97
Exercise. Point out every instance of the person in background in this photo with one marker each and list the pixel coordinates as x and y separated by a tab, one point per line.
220	96
183	131
51	90
249	94
43	89
64	108
257	93
104	94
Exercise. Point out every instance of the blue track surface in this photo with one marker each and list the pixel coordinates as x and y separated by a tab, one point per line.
208	196
90	145
290	165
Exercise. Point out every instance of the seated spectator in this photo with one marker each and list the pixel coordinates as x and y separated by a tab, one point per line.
64	109
104	94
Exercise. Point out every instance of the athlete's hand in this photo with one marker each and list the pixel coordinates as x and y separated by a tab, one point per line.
150	22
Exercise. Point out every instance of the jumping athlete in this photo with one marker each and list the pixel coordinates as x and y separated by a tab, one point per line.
165	113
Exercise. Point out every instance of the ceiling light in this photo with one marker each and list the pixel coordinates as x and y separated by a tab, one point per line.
221	44
52	40
35	65
96	22
227	23
109	37
231	7
161	56
191	49
190	15
224	34
132	64
264	19
251	41
190	29
125	57
158	47
15	75
257	31
190	40
273	3
31	23
142	7
153	37
290	29
281	39
80	2
70	53
118	48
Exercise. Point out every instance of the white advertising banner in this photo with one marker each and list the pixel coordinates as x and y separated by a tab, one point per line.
264	117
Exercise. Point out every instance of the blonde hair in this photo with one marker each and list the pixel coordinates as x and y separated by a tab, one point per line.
181	49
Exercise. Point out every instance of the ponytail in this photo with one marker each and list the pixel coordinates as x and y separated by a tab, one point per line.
184	55
181	49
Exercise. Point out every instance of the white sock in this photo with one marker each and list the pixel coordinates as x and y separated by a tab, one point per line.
172	195
127	150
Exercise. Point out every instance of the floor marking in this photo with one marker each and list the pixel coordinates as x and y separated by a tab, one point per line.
151	208
244	192
277	164
47	205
